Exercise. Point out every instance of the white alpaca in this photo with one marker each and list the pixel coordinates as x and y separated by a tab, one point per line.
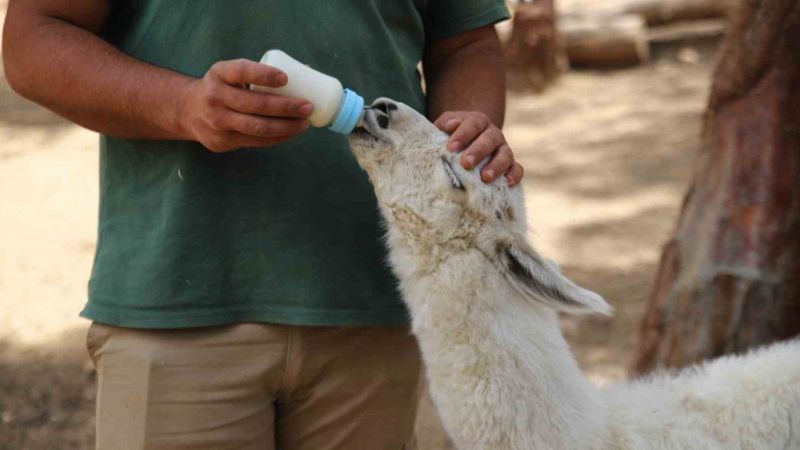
483	306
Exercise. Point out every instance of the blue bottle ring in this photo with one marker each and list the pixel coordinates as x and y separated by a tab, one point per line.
349	113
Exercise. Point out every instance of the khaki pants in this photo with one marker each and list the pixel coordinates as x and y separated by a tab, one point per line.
255	386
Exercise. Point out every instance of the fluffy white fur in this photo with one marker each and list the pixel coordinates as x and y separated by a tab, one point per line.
484	303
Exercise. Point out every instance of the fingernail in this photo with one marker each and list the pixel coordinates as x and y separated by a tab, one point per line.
489	174
306	109
281	79
454	146
451	123
470	161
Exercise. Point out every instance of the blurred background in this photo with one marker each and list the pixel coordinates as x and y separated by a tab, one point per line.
606	110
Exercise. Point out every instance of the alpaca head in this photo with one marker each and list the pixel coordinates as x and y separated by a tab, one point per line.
437	208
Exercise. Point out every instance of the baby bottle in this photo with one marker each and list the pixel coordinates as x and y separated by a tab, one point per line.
337	108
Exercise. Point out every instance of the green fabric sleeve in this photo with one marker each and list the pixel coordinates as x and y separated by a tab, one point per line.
445	18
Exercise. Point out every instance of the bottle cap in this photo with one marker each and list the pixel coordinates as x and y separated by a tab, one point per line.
349	114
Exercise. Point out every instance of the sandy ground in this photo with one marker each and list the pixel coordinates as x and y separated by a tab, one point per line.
608	156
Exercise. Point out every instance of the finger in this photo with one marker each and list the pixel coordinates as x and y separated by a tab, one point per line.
501	162
515	174
240	72
489	141
470	128
445	118
451	125
263	127
263	104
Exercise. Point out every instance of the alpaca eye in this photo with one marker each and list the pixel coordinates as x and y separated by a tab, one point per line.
455	182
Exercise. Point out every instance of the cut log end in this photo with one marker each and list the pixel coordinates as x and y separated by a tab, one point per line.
605	42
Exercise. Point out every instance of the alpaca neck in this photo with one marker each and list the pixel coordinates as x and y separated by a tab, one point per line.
499	368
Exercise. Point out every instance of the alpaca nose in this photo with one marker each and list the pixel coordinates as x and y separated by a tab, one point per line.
383	111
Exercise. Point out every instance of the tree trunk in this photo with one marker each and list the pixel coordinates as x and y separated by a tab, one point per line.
730	277
534	55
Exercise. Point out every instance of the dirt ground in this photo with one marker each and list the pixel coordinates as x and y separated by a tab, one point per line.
608	156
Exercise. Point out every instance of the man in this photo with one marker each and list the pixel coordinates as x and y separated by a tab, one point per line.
239	293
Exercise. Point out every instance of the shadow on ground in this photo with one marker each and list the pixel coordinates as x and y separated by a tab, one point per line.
603	135
46	396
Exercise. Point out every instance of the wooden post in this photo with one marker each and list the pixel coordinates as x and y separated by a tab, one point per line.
729	279
534	55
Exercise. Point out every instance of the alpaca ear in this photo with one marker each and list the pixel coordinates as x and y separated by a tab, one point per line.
542	281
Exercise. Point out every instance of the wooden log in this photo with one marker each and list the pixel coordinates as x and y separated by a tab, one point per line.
687	41
657	12
687	33
606	41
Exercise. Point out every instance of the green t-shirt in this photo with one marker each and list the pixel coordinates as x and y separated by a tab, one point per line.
286	234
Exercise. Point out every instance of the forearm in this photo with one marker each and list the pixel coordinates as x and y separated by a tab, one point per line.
73	72
470	78
467	99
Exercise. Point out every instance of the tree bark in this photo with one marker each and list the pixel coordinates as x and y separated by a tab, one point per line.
534	55
729	279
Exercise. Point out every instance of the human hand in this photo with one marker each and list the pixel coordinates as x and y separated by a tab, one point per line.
483	139
223	115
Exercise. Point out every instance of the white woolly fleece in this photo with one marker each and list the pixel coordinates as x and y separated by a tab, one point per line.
484	309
